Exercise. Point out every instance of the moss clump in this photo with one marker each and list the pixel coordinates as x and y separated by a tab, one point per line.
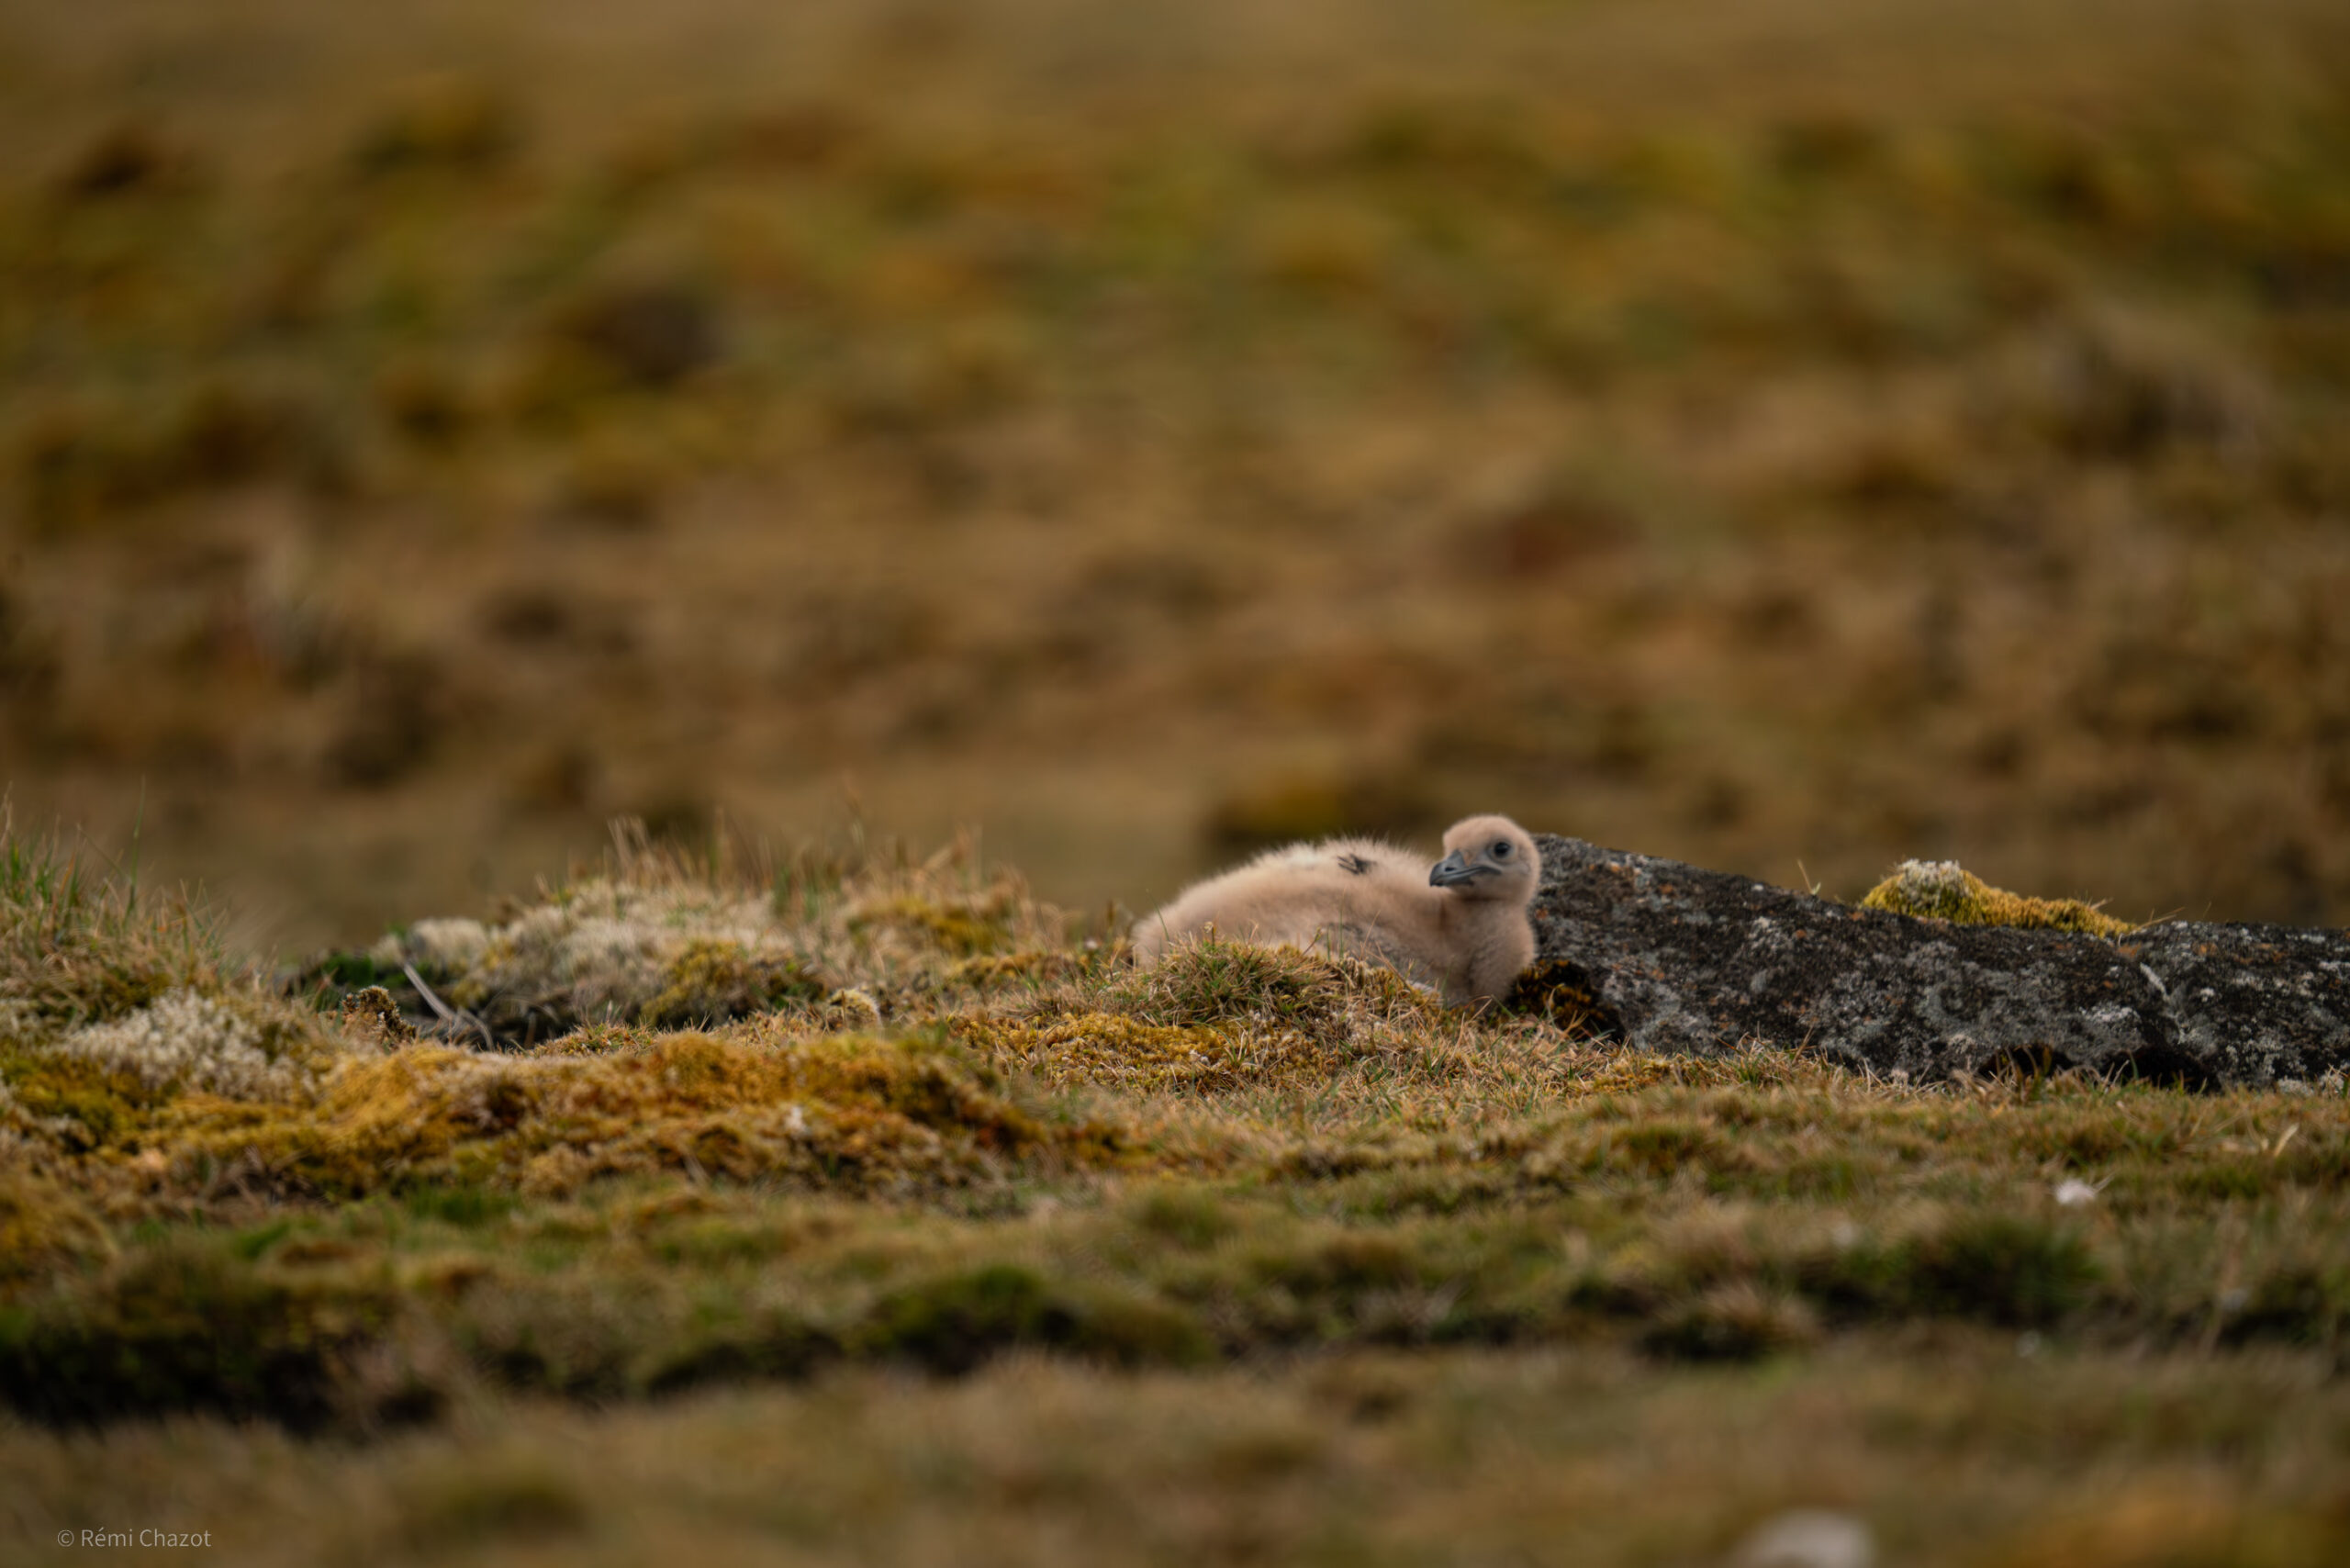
112	1086
71	1103
712	981
656	951
854	1112
1191	1217
1112	1051
43	1229
1321	997
2004	1268
1942	890
1028	968
953	1322
1736	1322
113	1006
967	926
1989	1267
188	1327
250	1046
664	941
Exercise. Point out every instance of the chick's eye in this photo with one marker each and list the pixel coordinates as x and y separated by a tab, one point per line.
1501	850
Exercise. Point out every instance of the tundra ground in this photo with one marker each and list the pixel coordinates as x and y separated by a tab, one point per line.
872	1211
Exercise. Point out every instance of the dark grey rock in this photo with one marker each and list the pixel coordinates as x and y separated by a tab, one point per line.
1696	960
2262	1004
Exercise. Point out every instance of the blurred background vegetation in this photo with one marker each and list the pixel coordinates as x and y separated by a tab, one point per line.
1790	435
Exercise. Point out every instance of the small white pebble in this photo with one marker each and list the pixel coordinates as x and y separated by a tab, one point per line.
2072	1192
1808	1538
2027	1344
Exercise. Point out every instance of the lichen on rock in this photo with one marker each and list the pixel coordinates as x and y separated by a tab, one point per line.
1692	961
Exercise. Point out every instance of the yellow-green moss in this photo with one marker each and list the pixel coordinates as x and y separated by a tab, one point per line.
1317	994
1942	890
1112	1051
72	1102
1031	967
714	979
855	1113
42	1228
967	926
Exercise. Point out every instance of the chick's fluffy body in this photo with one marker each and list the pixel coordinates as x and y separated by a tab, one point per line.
1468	935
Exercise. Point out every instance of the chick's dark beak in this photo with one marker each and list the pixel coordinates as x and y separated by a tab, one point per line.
1453	870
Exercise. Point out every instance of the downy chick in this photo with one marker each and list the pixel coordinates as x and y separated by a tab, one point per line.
1460	927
